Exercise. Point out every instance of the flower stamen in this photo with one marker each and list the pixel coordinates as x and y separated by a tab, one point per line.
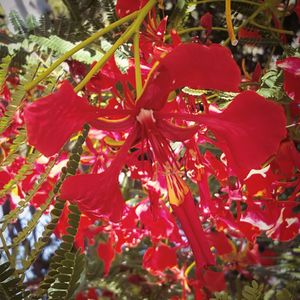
230	28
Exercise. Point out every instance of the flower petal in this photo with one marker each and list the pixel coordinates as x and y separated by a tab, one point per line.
291	67
97	195
193	65
160	258
188	216
106	253
249	131
52	120
125	7
206	22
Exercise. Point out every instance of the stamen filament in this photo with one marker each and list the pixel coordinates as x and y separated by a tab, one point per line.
230	28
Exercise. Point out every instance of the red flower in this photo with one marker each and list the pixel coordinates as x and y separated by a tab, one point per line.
161	224
248	131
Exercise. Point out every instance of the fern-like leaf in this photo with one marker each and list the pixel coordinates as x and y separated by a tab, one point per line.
61	46
17	22
16	145
221	296
24	171
253	291
3	70
56	270
17	99
13	214
10	285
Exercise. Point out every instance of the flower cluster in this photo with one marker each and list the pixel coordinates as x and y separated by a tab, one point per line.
154	127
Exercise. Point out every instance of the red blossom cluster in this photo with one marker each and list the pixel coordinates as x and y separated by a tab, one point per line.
154	140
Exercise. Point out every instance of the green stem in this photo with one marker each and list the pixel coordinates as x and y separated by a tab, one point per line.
78	47
271	28
137	63
134	27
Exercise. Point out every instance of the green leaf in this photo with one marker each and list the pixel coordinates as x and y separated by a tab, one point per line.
253	291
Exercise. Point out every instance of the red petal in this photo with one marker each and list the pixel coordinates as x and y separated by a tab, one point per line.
256	75
291	67
106	78
260	185
188	217
4	178
97	195
287	160
220	241
161	224
287	226
126	7
52	120
193	65
214	281
206	22
160	258
250	131
106	253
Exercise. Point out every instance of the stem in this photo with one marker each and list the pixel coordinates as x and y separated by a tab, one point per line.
272	29
245	84
230	28
137	63
78	47
134	27
259	9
